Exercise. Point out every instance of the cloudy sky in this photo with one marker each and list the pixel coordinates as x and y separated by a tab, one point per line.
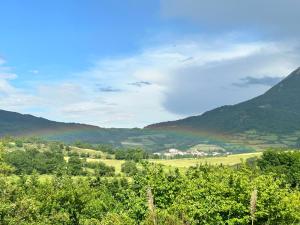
131	63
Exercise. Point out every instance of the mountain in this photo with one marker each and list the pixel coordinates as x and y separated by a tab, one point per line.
276	111
16	124
12	123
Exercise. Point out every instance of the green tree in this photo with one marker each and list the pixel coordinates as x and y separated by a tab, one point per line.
129	168
104	170
283	163
19	143
75	166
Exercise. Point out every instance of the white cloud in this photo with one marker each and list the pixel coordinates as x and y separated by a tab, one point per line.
34	71
185	78
201	87
2	61
7	76
12	98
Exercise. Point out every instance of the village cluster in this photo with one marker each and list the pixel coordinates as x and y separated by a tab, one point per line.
193	153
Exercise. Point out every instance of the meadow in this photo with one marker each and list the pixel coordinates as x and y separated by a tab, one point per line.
222	160
185	163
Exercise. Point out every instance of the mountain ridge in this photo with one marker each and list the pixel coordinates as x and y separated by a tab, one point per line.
277	110
14	123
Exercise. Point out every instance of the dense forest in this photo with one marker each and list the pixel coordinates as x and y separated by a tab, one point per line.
257	191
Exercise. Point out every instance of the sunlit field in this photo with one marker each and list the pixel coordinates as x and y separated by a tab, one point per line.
228	160
185	163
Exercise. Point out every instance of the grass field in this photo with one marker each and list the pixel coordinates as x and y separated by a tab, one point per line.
226	160
91	152
185	163
110	162
173	163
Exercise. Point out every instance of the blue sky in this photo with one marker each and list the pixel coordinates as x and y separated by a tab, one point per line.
61	36
135	62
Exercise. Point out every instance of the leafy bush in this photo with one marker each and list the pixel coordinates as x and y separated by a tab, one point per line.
104	170
25	162
282	163
75	165
131	154
129	168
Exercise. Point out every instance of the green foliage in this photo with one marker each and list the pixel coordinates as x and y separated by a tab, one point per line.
19	143
131	154
104	170
29	160
116	219
286	164
74	166
101	169
204	194
129	168
80	144
4	167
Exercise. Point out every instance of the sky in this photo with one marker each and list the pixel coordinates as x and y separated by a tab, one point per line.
132	63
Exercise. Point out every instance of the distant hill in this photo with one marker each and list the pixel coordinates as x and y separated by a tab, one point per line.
12	123
276	111
16	124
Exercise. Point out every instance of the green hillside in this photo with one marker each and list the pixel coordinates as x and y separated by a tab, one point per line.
12	123
276	111
16	124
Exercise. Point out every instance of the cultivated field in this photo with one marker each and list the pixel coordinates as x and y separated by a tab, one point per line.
225	160
185	163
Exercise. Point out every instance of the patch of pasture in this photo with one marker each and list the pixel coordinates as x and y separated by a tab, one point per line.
225	160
